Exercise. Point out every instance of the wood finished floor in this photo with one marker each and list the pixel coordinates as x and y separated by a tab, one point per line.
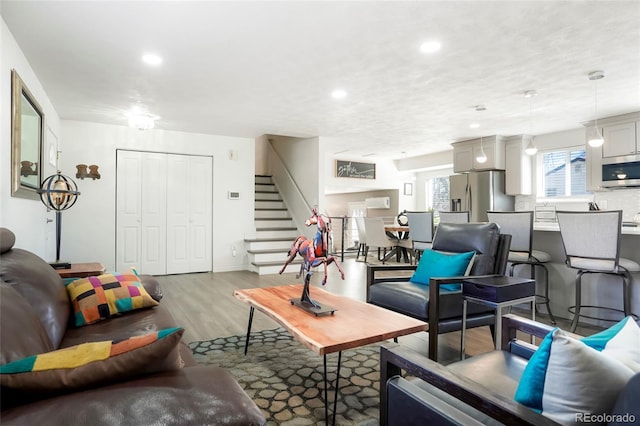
204	305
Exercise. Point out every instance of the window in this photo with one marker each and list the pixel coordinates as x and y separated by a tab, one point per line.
564	172
438	194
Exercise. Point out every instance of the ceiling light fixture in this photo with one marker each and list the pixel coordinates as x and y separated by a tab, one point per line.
142	121
431	46
482	157
531	148
474	125
596	139
339	94
151	59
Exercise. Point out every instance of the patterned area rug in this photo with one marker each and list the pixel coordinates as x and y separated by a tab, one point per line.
284	378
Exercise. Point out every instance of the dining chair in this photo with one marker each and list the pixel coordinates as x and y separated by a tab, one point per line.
362	238
519	224
377	237
591	241
454	217
420	230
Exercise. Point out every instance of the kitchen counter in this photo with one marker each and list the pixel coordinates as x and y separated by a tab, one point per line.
553	226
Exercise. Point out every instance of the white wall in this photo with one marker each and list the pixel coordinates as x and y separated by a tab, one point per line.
295	169
387	176
89	227
26	218
262	153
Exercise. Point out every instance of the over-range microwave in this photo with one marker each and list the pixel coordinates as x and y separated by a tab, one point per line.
621	172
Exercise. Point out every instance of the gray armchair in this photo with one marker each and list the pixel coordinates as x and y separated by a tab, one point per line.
443	311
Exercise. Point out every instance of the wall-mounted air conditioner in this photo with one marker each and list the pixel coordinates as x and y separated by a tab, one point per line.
377	203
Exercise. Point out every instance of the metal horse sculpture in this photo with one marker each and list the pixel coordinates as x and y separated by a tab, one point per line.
314	253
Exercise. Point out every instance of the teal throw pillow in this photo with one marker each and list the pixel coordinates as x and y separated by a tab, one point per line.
435	264
621	341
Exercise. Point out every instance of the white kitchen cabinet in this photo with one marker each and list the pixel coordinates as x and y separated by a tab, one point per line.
518	170
462	158
620	139
466	152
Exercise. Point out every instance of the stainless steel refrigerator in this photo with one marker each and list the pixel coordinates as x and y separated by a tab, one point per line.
478	192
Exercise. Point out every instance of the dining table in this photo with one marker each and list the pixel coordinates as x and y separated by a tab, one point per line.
400	232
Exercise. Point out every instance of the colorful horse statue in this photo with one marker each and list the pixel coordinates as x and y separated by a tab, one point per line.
314	253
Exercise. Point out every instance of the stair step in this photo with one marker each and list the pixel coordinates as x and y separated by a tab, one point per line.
267	251
272	214
263	179
296	261
265	239
269	204
288	228
269	209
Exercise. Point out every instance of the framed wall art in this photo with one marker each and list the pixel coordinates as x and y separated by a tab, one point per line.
27	124
353	169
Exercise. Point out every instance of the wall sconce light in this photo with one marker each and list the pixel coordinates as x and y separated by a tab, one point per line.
92	173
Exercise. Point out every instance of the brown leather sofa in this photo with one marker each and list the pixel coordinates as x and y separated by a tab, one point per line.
170	390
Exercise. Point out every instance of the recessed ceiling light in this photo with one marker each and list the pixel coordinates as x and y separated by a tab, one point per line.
151	59
338	94
431	46
474	125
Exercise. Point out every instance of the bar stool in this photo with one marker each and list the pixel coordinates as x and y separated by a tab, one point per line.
591	241
520	226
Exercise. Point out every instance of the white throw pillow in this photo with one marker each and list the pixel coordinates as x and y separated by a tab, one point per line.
565	379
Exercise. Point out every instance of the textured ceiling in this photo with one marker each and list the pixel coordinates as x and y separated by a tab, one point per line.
253	68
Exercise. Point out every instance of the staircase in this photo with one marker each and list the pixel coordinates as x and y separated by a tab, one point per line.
275	231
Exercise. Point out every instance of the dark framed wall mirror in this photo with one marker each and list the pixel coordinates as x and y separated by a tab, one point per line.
27	124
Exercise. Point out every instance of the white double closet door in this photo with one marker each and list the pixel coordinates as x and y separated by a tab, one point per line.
164	212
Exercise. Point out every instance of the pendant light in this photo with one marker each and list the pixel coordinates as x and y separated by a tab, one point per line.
596	139
482	157
531	148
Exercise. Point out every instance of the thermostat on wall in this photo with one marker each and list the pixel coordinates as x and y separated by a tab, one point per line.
234	195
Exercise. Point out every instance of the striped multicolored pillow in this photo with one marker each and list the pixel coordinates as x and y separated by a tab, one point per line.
90	363
97	298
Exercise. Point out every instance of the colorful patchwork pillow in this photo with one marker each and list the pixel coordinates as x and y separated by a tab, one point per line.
435	264
97	298
90	363
620	341
565	377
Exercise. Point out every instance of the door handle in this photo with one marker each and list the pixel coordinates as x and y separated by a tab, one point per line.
49	220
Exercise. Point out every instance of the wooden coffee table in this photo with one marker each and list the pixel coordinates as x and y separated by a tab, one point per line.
352	325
